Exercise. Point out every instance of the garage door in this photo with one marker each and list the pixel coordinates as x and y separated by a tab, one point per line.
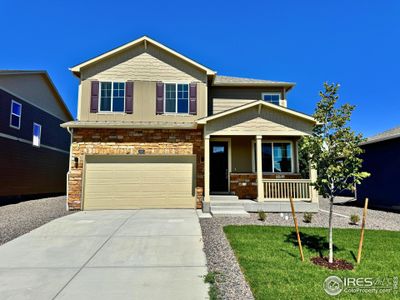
129	182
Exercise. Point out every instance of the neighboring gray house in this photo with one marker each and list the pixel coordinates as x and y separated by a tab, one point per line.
382	160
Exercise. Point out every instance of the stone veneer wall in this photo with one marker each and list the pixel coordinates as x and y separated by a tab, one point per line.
244	185
128	142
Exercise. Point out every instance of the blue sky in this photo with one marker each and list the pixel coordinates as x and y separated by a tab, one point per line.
354	43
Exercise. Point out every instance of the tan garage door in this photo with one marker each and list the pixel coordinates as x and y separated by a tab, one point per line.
129	182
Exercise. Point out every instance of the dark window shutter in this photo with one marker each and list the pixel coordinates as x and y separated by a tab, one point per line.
129	97
160	98
193	99
94	97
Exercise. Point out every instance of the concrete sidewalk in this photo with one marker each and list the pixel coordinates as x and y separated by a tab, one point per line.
142	254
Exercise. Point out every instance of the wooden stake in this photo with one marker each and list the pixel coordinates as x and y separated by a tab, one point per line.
362	231
297	229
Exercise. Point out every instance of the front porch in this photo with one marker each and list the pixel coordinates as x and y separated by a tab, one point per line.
252	153
234	174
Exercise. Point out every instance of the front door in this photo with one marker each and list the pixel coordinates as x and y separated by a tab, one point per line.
219	167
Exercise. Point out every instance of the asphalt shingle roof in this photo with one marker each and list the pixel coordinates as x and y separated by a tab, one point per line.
386	135
230	80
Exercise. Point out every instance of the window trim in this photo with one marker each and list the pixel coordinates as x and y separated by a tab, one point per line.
33	134
11	114
253	158
272	94
176	98
112	98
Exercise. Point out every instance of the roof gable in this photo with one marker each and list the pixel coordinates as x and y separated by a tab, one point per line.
141	63
37	88
259	120
145	41
261	104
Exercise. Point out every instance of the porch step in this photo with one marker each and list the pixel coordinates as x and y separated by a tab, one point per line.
227	207
230	213
215	198
223	203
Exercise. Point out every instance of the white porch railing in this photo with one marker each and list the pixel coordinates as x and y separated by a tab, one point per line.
283	189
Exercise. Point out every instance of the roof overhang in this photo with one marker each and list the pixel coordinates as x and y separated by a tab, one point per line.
381	139
260	104
287	85
129	125
143	40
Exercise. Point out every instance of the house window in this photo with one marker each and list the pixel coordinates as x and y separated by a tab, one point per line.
273	98
276	157
37	133
112	97
176	98
15	115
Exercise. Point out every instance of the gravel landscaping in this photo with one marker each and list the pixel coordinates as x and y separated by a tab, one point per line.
20	218
221	259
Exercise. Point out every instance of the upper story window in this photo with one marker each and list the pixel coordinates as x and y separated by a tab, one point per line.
176	98
272	97
112	97
37	134
277	157
15	115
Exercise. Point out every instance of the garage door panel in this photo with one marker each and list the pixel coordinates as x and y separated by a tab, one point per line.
166	182
165	186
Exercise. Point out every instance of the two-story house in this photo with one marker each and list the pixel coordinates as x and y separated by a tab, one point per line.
156	129
34	150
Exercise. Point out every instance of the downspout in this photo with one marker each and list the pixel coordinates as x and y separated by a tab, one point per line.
71	132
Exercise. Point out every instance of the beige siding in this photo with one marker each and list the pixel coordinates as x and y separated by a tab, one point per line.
241	153
145	67
223	98
144	105
220	105
140	182
261	121
34	89
138	63
242	156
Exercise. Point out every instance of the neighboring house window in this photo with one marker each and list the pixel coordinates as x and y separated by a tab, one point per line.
15	115
272	97
176	98
112	97
37	134
276	157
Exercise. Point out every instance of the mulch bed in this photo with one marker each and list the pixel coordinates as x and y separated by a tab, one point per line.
338	264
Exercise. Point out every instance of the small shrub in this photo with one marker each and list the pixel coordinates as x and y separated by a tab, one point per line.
213	292
210	279
354	219
308	217
262	216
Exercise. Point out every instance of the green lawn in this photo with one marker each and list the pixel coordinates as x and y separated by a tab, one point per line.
270	260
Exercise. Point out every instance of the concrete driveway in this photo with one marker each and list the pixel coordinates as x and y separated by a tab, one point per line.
135	254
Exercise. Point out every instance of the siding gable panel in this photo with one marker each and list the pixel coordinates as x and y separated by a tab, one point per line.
251	122
138	63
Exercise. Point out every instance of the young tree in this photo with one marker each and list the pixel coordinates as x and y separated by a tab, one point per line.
334	150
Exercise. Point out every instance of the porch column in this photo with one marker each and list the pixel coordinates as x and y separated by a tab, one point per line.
260	185
207	169
313	178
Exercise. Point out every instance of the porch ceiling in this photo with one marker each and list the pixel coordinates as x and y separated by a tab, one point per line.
260	119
